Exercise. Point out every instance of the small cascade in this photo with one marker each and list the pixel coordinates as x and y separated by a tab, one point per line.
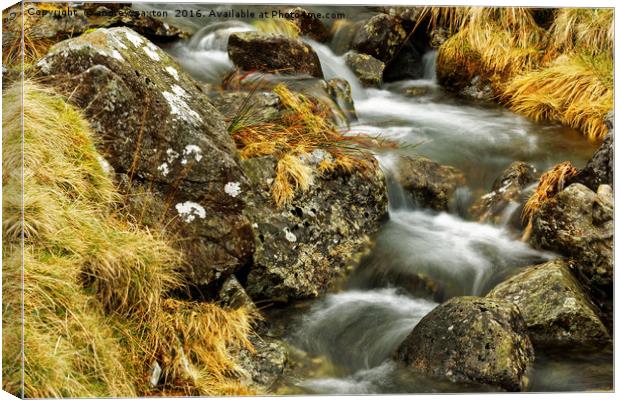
205	55
429	62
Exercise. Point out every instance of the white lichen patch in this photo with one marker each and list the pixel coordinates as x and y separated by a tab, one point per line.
117	55
188	211
173	72
105	165
44	65
117	41
164	169
232	189
290	236
136	40
151	53
171	155
179	91
191	150
179	107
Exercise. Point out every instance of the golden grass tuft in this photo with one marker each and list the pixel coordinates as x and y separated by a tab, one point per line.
576	91
302	127
97	312
550	183
589	30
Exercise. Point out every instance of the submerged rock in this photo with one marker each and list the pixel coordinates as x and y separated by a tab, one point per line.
253	51
265	365
555	308
578	223
339	90
168	143
504	202
309	25
302	248
381	37
368	69
471	339
428	183
600	169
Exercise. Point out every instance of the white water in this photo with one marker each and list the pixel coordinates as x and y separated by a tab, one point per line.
358	328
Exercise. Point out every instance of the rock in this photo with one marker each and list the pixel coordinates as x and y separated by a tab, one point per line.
438	36
407	62
555	308
478	89
368	69
253	51
339	90
578	223
503	203
461	75
170	146
410	14
309	25
600	169
302	248
264	105
265	365
381	37
232	295
428	183
471	339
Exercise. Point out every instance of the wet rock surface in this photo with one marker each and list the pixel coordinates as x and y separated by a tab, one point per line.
505	201
170	145
428	183
578	223
555	307
303	247
368	69
381	37
471	339
264	366
252	51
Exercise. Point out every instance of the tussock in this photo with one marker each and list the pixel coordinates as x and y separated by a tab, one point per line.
97	313
586	30
302	127
573	90
551	183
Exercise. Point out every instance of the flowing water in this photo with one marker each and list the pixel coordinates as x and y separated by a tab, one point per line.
353	331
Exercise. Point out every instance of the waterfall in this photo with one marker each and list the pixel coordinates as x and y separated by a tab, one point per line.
429	62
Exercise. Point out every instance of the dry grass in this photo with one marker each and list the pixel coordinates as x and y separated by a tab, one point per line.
551	183
563	75
586	30
576	91
97	314
301	128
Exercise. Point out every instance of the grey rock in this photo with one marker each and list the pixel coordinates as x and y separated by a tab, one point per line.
555	307
508	195
428	183
304	247
265	365
368	69
170	146
578	223
253	51
381	37
471	339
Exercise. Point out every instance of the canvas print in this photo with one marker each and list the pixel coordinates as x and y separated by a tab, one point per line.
205	199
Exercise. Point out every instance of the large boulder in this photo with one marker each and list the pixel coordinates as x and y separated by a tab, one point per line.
600	169
578	223
309	25
253	51
471	339
381	37
504	202
427	183
168	144
304	246
368	69
555	307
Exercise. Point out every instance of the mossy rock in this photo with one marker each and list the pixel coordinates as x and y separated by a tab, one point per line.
471	339
555	308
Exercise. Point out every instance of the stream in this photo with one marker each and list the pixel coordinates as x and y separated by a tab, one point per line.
347	336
